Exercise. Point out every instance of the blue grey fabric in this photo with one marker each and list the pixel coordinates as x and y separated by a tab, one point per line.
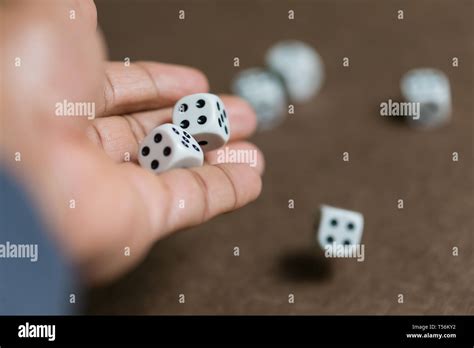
30	288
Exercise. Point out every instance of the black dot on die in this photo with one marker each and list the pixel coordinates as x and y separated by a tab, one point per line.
226	131
202	119
220	123
222	117
225	115
183	107
196	148
145	151
218	106
184	124
350	226
202	143
154	164
347	242
333	222
167	151
186	135
330	239
158	137
184	143
185	139
200	103
175	130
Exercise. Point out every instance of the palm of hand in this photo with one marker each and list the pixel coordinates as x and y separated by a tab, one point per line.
96	201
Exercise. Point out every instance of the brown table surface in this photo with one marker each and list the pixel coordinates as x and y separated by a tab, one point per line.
407	251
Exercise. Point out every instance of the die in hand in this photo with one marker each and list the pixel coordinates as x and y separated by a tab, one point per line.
203	115
167	147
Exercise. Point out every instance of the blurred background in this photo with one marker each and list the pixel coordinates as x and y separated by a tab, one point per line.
407	251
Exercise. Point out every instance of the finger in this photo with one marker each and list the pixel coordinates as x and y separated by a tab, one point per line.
186	197
146	85
242	118
153	206
83	12
88	12
238	152
120	136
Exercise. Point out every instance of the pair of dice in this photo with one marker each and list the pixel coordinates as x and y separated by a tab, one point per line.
200	124
294	72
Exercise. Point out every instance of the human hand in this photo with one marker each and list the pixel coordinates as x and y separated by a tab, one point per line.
117	204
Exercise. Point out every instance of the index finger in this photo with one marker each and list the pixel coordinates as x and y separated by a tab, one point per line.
147	85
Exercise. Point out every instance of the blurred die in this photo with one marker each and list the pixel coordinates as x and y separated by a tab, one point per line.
300	67
430	88
265	93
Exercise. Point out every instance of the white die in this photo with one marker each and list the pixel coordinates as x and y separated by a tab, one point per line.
266	94
430	88
203	115
300	67
167	147
339	226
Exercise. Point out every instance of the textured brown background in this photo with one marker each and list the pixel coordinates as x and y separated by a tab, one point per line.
408	251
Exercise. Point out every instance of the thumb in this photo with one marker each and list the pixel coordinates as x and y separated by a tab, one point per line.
48	57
